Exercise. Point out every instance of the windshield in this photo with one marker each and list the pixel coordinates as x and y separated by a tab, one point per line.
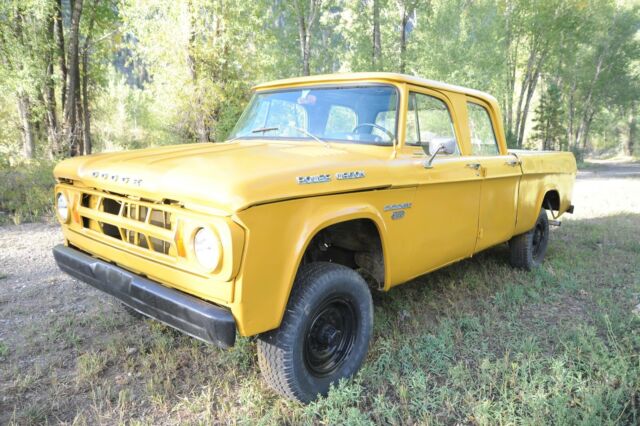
352	114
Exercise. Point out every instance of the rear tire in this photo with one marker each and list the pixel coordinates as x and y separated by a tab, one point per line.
324	335
528	249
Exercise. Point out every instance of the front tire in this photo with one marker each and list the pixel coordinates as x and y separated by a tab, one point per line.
324	335
528	249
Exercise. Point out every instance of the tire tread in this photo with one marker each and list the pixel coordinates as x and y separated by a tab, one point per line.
273	347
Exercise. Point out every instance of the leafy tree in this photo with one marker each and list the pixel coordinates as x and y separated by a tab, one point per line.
112	74
548	119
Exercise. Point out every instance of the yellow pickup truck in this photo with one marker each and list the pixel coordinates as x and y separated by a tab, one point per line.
329	187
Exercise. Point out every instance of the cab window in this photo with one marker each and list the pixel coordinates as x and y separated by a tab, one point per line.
429	121
483	138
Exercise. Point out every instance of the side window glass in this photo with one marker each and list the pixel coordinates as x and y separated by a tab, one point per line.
340	120
483	138
429	121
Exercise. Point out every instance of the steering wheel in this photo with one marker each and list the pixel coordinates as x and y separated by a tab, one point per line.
375	126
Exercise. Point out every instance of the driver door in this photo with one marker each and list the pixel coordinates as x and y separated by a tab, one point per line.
447	198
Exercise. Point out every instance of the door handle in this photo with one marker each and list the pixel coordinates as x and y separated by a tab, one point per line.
512	163
474	166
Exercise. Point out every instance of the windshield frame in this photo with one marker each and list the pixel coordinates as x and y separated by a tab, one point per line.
353	85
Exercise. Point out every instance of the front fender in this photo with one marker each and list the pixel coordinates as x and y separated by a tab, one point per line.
277	236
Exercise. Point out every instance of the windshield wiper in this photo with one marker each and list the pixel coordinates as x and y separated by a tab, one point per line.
258	130
264	129
311	135
299	129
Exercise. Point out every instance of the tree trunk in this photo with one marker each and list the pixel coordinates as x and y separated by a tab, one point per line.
79	146
49	91
533	82
304	37
86	114
200	120
376	54
28	141
70	128
585	136
633	127
537	57
408	9
511	47
523	91
580	139
571	115
86	128
24	104
306	22
403	38
62	63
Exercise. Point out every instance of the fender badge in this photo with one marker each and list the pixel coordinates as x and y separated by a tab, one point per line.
358	174
400	206
398	214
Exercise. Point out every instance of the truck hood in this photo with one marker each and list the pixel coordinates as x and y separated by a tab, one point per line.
228	177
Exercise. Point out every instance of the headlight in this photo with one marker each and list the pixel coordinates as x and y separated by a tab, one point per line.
206	246
62	207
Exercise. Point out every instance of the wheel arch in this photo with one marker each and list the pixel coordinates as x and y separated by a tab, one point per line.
364	214
551	199
533	196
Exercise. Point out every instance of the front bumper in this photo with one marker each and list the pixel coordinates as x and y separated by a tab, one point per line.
193	316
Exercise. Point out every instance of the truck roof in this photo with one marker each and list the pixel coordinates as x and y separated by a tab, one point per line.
372	76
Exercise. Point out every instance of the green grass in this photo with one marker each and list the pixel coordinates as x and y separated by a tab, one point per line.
475	343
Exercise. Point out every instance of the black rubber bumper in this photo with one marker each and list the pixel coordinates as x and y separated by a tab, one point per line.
193	316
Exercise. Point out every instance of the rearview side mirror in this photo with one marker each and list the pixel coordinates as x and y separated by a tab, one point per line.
438	145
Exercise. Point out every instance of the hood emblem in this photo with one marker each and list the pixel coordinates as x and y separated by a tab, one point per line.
325	177
116	178
304	180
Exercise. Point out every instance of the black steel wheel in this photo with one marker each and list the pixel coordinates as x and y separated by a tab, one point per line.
324	335
539	239
528	249
330	336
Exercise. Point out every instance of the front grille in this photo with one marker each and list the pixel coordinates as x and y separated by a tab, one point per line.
140	223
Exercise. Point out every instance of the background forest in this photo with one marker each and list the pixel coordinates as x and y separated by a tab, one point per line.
80	76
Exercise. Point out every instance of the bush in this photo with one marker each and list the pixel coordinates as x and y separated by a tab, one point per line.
26	193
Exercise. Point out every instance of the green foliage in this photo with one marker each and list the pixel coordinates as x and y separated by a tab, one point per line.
164	72
26	193
548	121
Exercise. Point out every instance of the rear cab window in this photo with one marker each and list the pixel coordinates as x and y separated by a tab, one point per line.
483	136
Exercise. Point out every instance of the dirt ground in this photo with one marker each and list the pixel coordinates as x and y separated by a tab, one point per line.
50	323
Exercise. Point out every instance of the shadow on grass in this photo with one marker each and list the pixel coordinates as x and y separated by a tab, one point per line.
476	342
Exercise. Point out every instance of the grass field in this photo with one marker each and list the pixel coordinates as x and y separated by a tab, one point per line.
474	343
